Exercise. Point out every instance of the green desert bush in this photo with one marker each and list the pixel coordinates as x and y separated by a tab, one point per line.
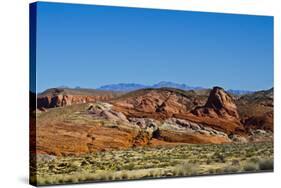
218	157
235	162
209	161
124	175
129	166
254	159
266	164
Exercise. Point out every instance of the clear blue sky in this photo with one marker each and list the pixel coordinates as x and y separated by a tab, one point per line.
90	46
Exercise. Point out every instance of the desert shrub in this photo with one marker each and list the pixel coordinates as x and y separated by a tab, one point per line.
110	176
244	158
117	177
173	163
266	164
124	175
235	162
185	169
230	169
155	173
129	166
250	154
48	181
211	171
60	181
74	180
248	167
218	170
39	181
218	157
209	161
254	160
84	163
103	176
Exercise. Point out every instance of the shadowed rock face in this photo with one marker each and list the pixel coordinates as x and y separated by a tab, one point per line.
264	122
219	104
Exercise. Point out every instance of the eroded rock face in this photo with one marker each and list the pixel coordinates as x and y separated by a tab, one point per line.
104	110
180	125
146	124
158	103
219	104
264	122
66	100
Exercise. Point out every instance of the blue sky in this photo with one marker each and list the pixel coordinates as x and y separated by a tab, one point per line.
90	46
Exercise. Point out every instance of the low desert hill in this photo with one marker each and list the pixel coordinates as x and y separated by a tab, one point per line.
57	97
256	109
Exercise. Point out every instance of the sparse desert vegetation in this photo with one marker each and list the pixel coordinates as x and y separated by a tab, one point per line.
154	162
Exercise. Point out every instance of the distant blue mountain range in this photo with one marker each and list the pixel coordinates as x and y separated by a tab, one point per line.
239	92
126	87
122	87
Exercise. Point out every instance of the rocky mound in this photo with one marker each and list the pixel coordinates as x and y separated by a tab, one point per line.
85	128
58	97
159	103
219	105
256	110
264	98
264	122
255	104
217	112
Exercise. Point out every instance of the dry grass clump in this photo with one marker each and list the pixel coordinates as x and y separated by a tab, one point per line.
185	169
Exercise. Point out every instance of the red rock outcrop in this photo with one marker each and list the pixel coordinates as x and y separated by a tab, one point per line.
66	100
145	117
157	103
219	105
264	122
219	112
58	97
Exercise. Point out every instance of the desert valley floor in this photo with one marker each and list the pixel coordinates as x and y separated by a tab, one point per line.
80	135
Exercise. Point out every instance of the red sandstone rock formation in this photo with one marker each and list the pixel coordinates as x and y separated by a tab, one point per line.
66	100
58	97
146	117
219	105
